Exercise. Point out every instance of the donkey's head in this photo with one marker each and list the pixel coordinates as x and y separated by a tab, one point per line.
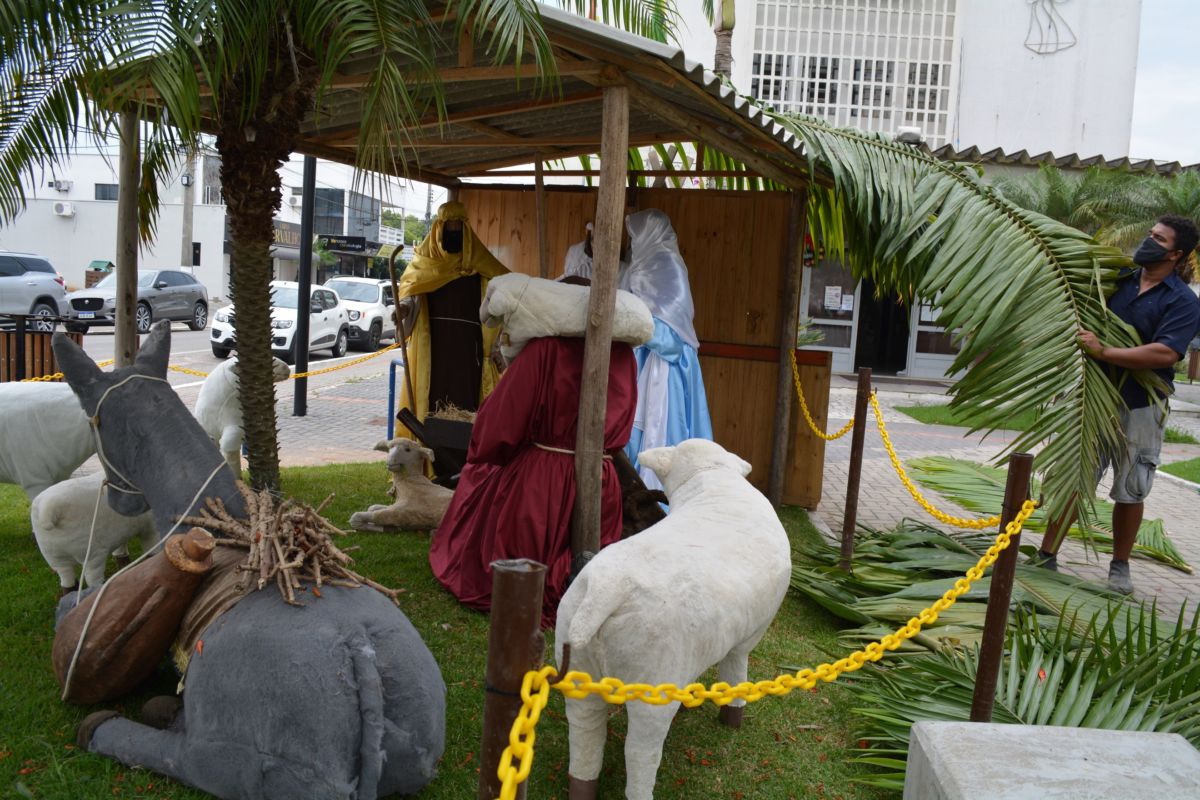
154	452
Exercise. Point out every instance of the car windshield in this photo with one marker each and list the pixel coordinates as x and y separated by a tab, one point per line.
352	290
145	280
283	297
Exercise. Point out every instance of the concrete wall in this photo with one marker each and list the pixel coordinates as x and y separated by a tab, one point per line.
1076	100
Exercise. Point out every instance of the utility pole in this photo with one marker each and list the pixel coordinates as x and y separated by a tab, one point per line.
188	180
429	208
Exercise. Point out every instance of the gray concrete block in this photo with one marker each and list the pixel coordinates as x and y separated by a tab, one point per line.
960	760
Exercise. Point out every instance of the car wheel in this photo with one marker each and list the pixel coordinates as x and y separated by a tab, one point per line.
43	318
374	335
142	318
220	352
199	318
75	327
339	346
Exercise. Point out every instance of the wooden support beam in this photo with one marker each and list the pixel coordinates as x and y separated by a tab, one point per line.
593	393
466	48
543	242
128	183
526	141
592	173
789	301
692	128
489	130
505	72
403	168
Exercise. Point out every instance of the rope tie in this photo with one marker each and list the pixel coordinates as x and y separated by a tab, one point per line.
564	451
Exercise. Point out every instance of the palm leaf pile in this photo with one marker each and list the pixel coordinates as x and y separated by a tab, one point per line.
1127	672
980	488
896	574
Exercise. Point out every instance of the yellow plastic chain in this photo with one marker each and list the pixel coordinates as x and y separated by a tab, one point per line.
958	522
536	686
804	407
58	375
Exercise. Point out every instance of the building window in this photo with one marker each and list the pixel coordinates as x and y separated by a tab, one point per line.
107	191
871	64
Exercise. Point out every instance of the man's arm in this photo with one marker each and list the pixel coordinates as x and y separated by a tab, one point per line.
1155	355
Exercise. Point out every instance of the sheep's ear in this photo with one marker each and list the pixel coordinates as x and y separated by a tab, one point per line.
743	467
427	454
80	371
155	352
383	445
658	459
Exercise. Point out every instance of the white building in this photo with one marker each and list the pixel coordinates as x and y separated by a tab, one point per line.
71	217
1020	75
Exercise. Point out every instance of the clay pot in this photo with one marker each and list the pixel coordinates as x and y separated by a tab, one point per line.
135	623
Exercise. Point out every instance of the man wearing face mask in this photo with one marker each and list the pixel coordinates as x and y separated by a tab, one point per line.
438	312
1156	301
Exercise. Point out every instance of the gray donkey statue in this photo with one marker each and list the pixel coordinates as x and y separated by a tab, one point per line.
339	698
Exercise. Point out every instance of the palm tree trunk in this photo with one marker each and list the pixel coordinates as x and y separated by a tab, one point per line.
723	56
252	151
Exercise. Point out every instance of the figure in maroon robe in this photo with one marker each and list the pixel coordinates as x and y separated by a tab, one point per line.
516	493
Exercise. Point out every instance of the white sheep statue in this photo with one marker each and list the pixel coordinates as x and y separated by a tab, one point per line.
62	524
418	503
699	588
44	433
219	408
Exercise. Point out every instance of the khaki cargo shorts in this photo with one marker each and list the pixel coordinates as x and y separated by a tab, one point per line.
1133	473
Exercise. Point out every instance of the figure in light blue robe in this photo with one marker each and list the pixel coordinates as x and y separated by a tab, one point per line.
672	405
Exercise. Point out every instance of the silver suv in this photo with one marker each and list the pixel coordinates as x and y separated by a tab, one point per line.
172	294
30	285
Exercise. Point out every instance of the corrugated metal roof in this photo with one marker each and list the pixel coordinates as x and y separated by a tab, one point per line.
495	120
997	155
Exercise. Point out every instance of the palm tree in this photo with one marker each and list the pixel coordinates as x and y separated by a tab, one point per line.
1153	196
1092	202
250	71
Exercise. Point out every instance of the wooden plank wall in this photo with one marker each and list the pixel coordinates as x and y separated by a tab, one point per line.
733	244
39	357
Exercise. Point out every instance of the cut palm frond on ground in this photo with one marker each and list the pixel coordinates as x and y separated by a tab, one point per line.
1129	672
980	488
1014	286
898	573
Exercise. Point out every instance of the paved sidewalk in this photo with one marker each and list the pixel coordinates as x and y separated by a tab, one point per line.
883	500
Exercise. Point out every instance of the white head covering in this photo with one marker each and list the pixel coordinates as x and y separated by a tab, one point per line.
578	262
657	274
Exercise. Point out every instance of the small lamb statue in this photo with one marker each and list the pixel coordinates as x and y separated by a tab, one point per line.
62	524
219	408
697	589
418	505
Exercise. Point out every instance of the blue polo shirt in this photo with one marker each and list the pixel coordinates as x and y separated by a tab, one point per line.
1168	313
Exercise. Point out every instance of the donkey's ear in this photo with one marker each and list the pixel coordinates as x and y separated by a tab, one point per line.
78	368
154	353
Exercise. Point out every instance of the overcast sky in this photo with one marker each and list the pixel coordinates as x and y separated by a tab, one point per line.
1166	100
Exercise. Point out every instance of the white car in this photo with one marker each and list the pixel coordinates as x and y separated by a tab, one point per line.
328	323
369	303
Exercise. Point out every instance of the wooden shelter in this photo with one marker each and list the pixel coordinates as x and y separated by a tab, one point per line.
615	91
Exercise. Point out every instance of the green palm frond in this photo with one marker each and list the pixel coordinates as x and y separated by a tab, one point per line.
1016	286
1145	679
980	488
653	19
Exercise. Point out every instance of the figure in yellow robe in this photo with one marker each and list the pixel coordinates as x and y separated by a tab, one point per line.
448	348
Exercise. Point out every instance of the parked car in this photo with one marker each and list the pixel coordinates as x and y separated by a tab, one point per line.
328	323
369	305
30	285
172	294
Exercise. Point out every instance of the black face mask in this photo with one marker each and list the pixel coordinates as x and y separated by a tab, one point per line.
452	241
1150	252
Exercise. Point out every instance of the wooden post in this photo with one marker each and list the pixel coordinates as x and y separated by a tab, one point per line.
593	392
515	646
793	270
850	517
540	202
991	651
19	348
129	178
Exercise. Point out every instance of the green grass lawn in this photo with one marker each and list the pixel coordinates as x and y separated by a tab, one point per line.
790	747
1189	470
944	415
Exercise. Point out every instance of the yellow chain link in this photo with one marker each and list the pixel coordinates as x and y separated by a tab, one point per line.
58	376
958	522
804	407
536	686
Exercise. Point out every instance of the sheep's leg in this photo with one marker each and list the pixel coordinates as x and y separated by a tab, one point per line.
587	722
120	556
733	670
93	570
648	726
231	448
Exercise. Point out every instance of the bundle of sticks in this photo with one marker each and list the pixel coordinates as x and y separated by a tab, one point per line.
289	543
